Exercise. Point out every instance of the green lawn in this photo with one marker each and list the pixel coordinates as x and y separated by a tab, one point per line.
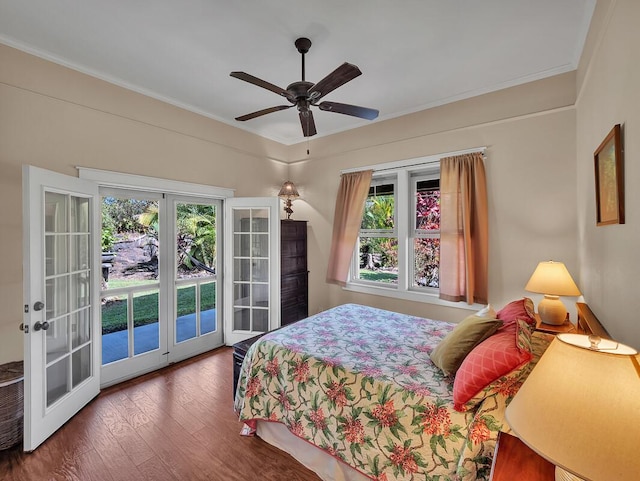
379	276
145	305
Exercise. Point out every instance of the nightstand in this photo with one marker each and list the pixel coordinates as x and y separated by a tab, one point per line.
567	326
515	460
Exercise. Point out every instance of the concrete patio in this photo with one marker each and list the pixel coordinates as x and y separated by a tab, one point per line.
115	344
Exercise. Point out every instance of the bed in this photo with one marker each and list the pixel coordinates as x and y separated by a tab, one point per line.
359	386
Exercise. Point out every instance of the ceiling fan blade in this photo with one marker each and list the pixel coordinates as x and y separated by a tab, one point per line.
308	124
335	79
259	113
347	109
261	83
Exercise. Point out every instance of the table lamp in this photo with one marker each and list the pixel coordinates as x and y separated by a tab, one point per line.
288	192
580	409
553	280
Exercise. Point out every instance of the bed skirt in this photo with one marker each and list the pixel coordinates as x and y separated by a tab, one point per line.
323	464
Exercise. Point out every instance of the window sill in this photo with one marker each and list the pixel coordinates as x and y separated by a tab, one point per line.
425	297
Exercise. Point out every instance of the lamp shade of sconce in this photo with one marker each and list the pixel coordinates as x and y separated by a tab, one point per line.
579	408
288	192
553	280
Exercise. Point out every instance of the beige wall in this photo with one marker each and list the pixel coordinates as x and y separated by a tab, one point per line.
610	94
55	118
531	185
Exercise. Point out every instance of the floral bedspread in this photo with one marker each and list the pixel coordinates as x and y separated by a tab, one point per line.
358	383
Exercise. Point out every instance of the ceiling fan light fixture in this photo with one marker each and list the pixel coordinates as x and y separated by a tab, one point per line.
305	94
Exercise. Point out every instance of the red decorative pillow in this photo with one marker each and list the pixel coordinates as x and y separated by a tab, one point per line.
521	309
491	359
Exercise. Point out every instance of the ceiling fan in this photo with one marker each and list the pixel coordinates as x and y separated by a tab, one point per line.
305	95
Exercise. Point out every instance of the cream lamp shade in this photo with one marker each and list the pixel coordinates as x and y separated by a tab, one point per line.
580	409
288	192
553	280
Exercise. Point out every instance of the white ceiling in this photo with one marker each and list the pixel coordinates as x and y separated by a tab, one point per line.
414	54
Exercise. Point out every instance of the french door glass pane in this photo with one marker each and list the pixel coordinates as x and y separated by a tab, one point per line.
251	269
56	254
79	214
57	377
56	295
57	340
146	321
115	339
55	213
196	228
79	252
208	307
81	362
130	275
67	293
80	327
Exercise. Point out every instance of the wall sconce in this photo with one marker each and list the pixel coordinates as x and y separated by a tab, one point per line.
288	192
553	280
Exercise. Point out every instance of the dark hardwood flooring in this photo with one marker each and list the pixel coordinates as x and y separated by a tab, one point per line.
175	424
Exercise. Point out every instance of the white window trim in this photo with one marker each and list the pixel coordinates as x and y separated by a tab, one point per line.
118	180
404	170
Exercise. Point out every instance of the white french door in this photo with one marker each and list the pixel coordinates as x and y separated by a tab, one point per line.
61	323
252	267
195	262
163	306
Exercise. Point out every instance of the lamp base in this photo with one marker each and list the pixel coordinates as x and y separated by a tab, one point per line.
552	310
562	475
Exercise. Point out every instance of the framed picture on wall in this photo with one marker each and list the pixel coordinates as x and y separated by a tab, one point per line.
609	169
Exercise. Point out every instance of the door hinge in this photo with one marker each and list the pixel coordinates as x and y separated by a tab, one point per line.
26	308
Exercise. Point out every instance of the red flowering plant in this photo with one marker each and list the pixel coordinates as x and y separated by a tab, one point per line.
427	250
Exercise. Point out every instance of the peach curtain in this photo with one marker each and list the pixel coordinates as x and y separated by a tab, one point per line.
464	229
347	219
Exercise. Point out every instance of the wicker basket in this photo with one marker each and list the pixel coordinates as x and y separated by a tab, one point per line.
11	403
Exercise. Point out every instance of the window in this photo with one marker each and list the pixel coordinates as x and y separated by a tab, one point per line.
399	239
378	241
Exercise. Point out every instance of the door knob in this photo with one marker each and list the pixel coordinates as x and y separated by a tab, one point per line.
41	325
38	306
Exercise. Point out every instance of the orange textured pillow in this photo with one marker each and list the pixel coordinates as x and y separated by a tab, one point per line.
521	309
492	358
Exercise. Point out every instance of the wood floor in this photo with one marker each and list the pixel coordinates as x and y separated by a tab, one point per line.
175	424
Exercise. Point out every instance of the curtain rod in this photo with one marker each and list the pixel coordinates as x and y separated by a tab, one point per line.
429	159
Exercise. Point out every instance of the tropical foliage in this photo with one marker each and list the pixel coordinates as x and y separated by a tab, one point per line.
427	249
196	228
